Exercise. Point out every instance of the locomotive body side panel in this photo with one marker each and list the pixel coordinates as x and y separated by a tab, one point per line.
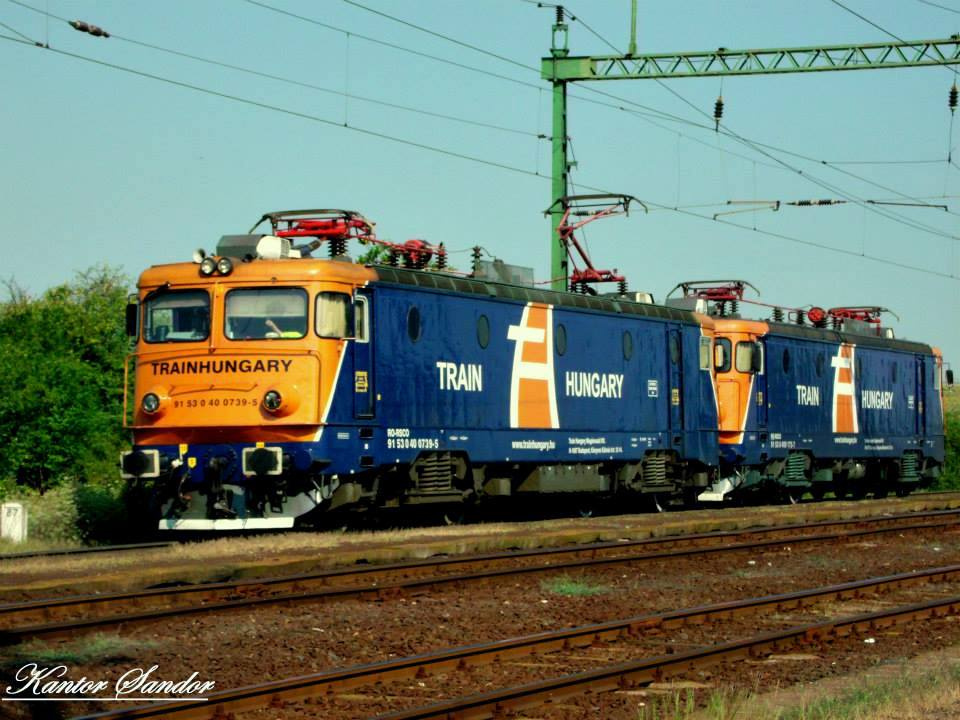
829	405
525	382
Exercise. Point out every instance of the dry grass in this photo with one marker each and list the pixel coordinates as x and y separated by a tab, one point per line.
95	648
924	688
299	552
913	697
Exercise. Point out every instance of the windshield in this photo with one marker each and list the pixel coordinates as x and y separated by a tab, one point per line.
722	359
177	316
266	313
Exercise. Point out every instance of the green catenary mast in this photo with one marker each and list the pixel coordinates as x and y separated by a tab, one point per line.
560	68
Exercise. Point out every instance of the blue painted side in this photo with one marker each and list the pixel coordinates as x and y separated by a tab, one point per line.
897	400
415	411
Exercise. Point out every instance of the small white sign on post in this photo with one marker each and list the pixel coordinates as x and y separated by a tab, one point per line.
13	522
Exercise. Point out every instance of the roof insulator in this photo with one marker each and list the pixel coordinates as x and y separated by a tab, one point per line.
718	112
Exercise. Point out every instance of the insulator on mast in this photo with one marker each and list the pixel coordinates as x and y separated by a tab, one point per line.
718	112
475	258
952	102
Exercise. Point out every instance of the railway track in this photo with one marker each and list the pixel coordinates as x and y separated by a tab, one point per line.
275	694
85	551
62	617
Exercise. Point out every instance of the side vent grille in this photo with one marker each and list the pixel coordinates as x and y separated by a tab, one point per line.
434	473
655	469
908	467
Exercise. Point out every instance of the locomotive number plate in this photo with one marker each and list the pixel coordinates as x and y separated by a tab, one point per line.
216	402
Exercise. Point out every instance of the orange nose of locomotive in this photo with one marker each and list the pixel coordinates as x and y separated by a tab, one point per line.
230	389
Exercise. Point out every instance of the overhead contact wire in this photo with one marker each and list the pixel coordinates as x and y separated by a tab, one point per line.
442	151
285	111
848	196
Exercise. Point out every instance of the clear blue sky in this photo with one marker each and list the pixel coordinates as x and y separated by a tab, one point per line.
103	166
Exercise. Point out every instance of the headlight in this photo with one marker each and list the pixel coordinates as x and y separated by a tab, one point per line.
272	400
224	266
208	266
150	403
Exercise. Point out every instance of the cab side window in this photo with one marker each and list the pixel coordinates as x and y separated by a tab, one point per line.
361	319
705	345
334	315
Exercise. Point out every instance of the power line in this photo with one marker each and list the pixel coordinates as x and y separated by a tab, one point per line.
450	153
393	46
579	19
942	7
788	238
758	147
883	162
319	88
436	34
422	145
878	27
285	111
299	83
22	36
896	217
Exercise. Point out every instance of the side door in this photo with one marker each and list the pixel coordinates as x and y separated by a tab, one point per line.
363	367
675	379
920	407
759	370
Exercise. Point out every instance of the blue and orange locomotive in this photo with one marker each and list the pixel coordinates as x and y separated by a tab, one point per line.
271	386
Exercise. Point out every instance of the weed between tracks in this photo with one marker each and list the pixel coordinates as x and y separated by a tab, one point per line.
566	585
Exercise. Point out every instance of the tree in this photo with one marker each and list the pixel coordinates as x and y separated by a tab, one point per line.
61	368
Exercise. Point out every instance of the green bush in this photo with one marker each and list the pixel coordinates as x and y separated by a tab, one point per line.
52	517
950	479
75	512
61	359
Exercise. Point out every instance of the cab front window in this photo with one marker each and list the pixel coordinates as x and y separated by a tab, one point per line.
722	359
266	314
177	316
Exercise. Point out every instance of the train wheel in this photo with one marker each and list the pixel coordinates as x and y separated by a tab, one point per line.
817	492
903	490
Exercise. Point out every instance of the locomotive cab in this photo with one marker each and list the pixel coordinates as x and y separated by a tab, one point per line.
234	364
739	365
